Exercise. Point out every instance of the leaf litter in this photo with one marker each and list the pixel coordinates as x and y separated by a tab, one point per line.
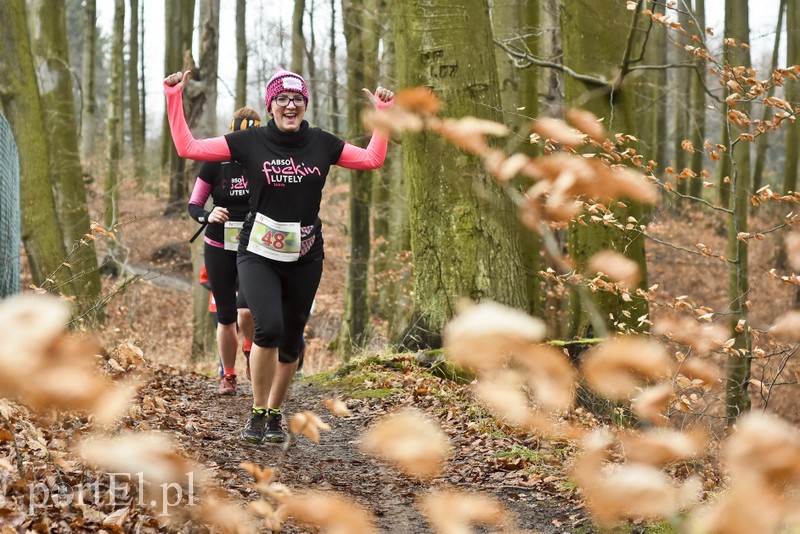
500	470
64	472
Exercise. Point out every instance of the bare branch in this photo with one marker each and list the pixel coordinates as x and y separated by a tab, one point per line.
519	54
662	67
696	199
684	249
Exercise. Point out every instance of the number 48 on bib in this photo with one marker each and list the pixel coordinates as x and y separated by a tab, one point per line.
275	240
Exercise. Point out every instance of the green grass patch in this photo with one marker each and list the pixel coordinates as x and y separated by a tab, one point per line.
357	377
659	527
520	452
567	485
495	432
662	527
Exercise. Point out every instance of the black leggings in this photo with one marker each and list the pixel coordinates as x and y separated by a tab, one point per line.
279	295
222	275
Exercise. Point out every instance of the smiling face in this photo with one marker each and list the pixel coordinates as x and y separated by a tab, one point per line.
288	118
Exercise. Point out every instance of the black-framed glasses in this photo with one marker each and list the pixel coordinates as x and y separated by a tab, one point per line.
283	101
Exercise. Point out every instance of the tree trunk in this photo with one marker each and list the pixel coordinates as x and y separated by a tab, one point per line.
204	337
725	163
183	32
41	231
209	67
792	89
517	23
134	110
552	80
651	105
142	80
51	57
390	221
362	46
738	372
333	85
88	97
762	145
113	120
698	114
171	40
594	37
311	71
551	103
241	55
680	84
201	110
463	227
298	40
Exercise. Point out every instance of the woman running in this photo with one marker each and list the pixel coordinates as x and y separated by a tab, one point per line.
225	183
280	256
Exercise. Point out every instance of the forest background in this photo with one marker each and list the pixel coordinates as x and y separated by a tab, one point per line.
678	134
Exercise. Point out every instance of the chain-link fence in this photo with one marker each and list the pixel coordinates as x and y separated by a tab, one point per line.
9	211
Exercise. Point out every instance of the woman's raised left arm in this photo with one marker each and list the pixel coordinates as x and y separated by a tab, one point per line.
374	155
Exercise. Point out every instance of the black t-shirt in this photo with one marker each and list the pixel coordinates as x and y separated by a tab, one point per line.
285	172
229	189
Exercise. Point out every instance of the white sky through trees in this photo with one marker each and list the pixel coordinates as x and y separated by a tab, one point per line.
763	20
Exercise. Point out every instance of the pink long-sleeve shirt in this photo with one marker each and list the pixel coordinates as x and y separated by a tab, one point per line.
285	171
217	149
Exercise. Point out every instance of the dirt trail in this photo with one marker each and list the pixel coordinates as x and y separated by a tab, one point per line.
208	426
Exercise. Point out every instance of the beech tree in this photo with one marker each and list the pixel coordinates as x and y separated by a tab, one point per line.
333	82
653	92
88	96
698	108
179	18
792	95
391	245
600	38
298	39
463	227
41	232
241	54
201	108
681	89
114	118
134	106
50	55
516	27
763	142
361	34
737	53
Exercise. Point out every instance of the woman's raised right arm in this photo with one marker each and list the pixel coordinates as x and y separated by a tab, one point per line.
210	149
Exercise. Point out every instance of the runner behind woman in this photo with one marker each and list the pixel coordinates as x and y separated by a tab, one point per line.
225	183
286	163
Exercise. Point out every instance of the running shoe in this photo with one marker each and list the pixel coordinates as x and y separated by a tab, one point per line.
274	432
254	430
227	386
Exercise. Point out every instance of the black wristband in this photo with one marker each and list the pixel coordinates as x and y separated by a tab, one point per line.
198	213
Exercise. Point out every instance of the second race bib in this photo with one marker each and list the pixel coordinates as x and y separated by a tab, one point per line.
232	230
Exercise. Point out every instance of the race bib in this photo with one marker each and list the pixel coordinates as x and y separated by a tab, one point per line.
274	239
232	230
